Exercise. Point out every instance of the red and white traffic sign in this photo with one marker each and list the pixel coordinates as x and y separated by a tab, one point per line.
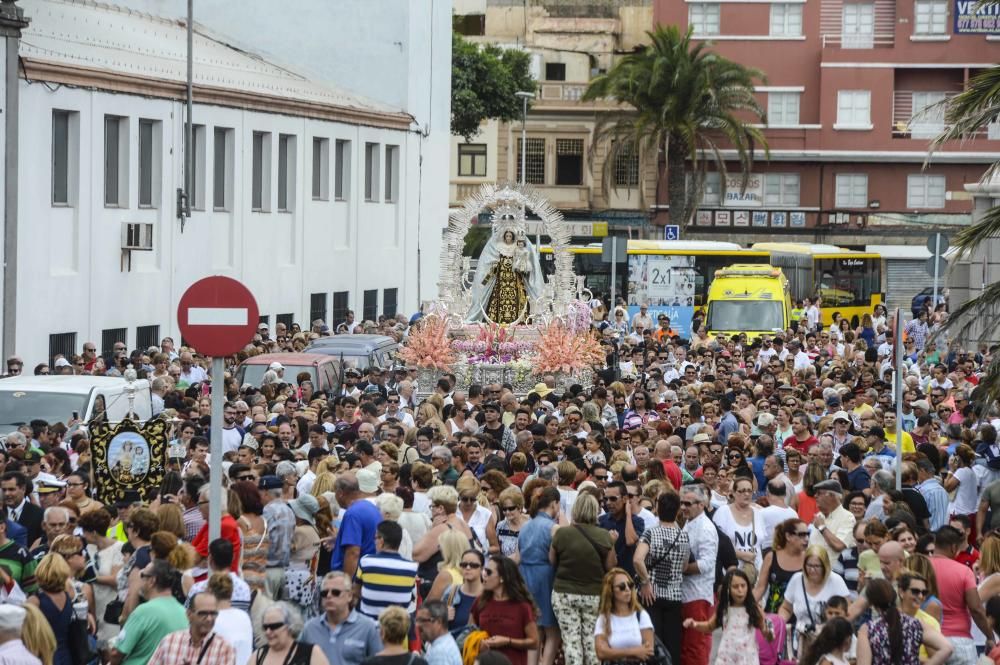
218	316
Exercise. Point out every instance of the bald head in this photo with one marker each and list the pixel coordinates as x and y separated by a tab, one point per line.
662	449
890	558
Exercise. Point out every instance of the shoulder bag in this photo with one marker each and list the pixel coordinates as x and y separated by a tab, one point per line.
593	543
652	568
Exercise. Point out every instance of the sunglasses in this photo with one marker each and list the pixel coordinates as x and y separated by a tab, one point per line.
918	592
468	499
508	509
336	593
470	565
624	586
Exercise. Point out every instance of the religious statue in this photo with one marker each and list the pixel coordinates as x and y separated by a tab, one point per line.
508	277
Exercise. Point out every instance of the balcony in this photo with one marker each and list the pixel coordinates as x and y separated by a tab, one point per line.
565	95
855	41
566	197
927	123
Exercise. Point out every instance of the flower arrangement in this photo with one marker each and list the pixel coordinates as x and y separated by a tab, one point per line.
559	349
578	316
428	345
493	344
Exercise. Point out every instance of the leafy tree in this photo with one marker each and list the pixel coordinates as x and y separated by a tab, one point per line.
965	115
483	82
686	100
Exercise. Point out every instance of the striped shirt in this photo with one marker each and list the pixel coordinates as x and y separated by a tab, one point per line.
178	649
386	579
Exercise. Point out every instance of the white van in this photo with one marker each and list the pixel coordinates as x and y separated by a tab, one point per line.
61	398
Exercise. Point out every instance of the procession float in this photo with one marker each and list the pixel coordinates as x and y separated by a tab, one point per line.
504	322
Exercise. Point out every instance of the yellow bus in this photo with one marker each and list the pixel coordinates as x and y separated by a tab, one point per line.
849	282
673	276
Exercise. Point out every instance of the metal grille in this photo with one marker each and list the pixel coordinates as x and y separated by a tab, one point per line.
340	306
370	310
287	319
389	305
534	161
567	147
147	336
905	278
317	307
112	336
627	167
61	344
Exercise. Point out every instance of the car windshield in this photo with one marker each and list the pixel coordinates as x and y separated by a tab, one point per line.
745	315
254	374
18	407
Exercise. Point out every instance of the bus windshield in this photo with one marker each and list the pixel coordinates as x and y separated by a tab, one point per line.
745	315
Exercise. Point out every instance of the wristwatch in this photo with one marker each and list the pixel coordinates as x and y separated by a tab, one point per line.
821	528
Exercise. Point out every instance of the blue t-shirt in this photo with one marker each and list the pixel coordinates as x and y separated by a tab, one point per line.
357	529
858	479
624	552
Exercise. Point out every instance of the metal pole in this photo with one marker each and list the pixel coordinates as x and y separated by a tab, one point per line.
189	127
898	385
614	265
215	473
12	21
524	137
937	254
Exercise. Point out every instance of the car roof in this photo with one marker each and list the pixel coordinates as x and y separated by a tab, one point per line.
82	385
288	359
354	340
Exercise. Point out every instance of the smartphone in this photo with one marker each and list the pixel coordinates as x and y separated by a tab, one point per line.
76	415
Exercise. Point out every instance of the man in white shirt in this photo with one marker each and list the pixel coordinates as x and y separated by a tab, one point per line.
801	357
642	320
812	313
232	436
776	510
697	587
392	410
833	525
191	373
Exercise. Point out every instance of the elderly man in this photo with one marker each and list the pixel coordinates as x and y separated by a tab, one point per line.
280	527
345	636
833	525
432	623
198	643
12	649
697	587
881	482
892	560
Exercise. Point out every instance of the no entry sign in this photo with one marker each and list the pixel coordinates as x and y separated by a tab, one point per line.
218	316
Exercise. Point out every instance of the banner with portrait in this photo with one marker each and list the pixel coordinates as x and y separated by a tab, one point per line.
128	456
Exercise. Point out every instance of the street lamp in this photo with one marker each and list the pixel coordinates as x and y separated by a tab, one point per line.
524	97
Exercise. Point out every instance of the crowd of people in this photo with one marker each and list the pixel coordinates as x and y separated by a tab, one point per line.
708	499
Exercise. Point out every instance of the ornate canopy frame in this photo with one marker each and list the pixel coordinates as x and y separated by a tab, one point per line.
454	288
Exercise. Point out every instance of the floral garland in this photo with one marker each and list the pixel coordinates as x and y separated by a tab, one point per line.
578	316
428	345
493	344
561	350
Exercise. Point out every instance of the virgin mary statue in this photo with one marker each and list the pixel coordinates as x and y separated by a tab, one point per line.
508	277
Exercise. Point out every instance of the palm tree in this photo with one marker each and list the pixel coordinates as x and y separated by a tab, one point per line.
686	99
965	115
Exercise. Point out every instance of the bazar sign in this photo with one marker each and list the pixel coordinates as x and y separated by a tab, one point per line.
973	17
751	197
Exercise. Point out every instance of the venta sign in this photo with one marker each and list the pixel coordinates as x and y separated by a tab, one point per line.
970	21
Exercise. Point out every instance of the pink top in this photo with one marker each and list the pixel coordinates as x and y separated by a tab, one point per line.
953	580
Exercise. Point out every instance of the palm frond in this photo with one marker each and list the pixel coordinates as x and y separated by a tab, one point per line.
970	237
983	308
970	110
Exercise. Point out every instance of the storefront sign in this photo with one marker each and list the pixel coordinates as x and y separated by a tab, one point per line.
971	21
751	197
723	218
741	218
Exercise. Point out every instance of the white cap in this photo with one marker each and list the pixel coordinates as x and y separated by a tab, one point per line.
841	415
62	362
11	618
276	366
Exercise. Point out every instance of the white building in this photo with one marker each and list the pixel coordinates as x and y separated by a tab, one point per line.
317	198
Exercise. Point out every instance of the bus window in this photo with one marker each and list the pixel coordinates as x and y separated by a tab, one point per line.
845	282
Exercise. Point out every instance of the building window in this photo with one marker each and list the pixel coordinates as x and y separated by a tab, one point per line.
858	27
371	171
470	24
222	167
113	336
782	109
928	115
389	302
534	161
781	189
786	20
287	319
147	336
703	18
569	161
265	319
286	173
627	166
852	190
340	307
115	161
61	344
321	169
711	189
147	163
925	191
197	193
930	17
369	311
342	170
472	160
391	173
261	172
555	71
317	307
854	109
63	128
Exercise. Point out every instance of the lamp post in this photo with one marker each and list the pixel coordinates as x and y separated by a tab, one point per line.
524	97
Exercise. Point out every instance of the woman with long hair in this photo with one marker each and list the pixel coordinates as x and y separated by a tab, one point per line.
453	544
831	645
893	638
624	631
913	590
807	497
108	560
962	480
37	635
742	522
506	611
787	554
254	530
460	598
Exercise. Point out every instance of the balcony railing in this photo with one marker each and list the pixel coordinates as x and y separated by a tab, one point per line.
851	41
925	124
564	94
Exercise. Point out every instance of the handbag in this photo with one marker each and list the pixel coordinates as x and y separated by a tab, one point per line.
78	637
597	548
113	612
660	654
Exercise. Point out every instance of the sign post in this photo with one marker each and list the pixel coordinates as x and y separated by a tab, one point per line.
671	232
898	389
937	245
218	317
614	252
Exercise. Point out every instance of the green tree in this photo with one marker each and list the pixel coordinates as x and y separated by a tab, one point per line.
483	82
966	115
686	100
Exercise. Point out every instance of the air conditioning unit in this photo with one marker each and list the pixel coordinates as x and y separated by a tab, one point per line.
137	237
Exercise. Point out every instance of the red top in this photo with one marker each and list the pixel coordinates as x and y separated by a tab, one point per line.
673	473
230	531
507	618
801	446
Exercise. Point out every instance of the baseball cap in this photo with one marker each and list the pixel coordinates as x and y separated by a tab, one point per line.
276	365
270	483
921	404
367	481
841	415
